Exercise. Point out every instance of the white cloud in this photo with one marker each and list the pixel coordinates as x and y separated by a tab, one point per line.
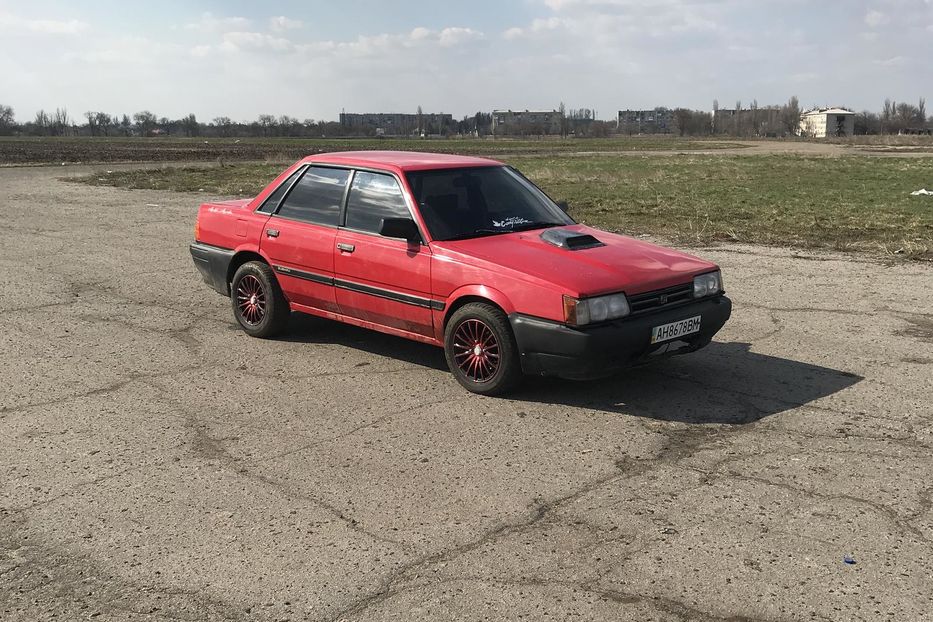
894	61
282	23
420	33
14	23
383	44
211	23
876	18
239	40
537	26
450	37
200	51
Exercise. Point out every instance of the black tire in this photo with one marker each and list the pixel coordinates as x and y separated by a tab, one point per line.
480	349
258	303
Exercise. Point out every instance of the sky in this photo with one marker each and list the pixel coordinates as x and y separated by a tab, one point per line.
313	59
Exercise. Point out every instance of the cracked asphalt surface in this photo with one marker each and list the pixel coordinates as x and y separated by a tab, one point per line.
158	464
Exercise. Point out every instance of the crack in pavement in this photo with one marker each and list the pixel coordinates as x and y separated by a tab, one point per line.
210	448
352	431
116	385
396	583
670	606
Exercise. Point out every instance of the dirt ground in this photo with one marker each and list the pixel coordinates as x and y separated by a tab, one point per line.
157	464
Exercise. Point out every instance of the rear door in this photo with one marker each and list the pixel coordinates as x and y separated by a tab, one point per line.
381	280
299	238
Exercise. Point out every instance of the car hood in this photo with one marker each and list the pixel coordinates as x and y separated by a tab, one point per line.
621	263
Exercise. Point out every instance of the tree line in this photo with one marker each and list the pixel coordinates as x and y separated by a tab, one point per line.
753	120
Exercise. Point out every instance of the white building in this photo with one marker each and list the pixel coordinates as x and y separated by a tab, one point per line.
823	122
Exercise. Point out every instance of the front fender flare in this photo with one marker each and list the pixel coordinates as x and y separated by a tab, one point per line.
470	291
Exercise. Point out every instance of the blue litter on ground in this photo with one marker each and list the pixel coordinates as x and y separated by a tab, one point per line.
849	560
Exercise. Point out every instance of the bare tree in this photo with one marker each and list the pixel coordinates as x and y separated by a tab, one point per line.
7	120
887	114
867	122
91	122
563	120
907	116
60	122
104	122
223	125
145	122
682	118
754	114
266	124
190	125
790	116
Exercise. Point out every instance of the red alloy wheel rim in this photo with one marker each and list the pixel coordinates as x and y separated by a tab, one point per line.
476	350
251	300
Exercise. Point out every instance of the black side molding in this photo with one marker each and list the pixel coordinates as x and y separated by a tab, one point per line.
307	276
213	262
388	294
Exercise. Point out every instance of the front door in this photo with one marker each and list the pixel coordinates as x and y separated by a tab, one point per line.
299	238
381	280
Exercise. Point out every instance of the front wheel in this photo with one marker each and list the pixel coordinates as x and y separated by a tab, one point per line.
258	303
481	350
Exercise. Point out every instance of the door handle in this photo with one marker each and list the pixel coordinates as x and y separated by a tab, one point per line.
345	248
272	233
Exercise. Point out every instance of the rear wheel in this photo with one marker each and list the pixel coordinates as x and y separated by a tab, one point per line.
481	351
258	303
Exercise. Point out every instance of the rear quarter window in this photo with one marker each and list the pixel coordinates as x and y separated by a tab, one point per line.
273	200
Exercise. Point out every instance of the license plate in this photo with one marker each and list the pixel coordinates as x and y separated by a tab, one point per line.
675	329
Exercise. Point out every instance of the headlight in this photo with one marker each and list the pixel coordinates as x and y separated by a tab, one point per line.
707	284
593	310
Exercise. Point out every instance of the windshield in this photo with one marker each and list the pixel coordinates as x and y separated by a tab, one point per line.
472	202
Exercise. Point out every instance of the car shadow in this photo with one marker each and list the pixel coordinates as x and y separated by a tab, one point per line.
724	383
304	328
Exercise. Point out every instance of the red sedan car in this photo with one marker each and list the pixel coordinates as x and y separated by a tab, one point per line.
459	252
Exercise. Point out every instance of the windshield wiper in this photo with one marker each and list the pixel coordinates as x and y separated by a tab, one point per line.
476	233
527	226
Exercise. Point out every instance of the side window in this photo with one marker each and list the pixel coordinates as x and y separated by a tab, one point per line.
374	196
317	196
272	201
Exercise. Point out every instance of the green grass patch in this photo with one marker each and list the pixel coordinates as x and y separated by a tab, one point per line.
845	203
849	203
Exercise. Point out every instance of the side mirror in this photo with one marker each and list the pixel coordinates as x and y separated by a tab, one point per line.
404	228
564	206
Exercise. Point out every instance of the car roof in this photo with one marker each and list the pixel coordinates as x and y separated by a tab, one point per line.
400	160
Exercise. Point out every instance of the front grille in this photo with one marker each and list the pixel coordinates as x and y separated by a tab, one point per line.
660	299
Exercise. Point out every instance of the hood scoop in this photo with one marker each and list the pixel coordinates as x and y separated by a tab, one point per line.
570	240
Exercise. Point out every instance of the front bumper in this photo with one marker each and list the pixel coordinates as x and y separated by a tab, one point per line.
553	349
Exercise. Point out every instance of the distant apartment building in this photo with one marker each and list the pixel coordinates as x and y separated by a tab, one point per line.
526	121
656	121
396	124
757	121
823	122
